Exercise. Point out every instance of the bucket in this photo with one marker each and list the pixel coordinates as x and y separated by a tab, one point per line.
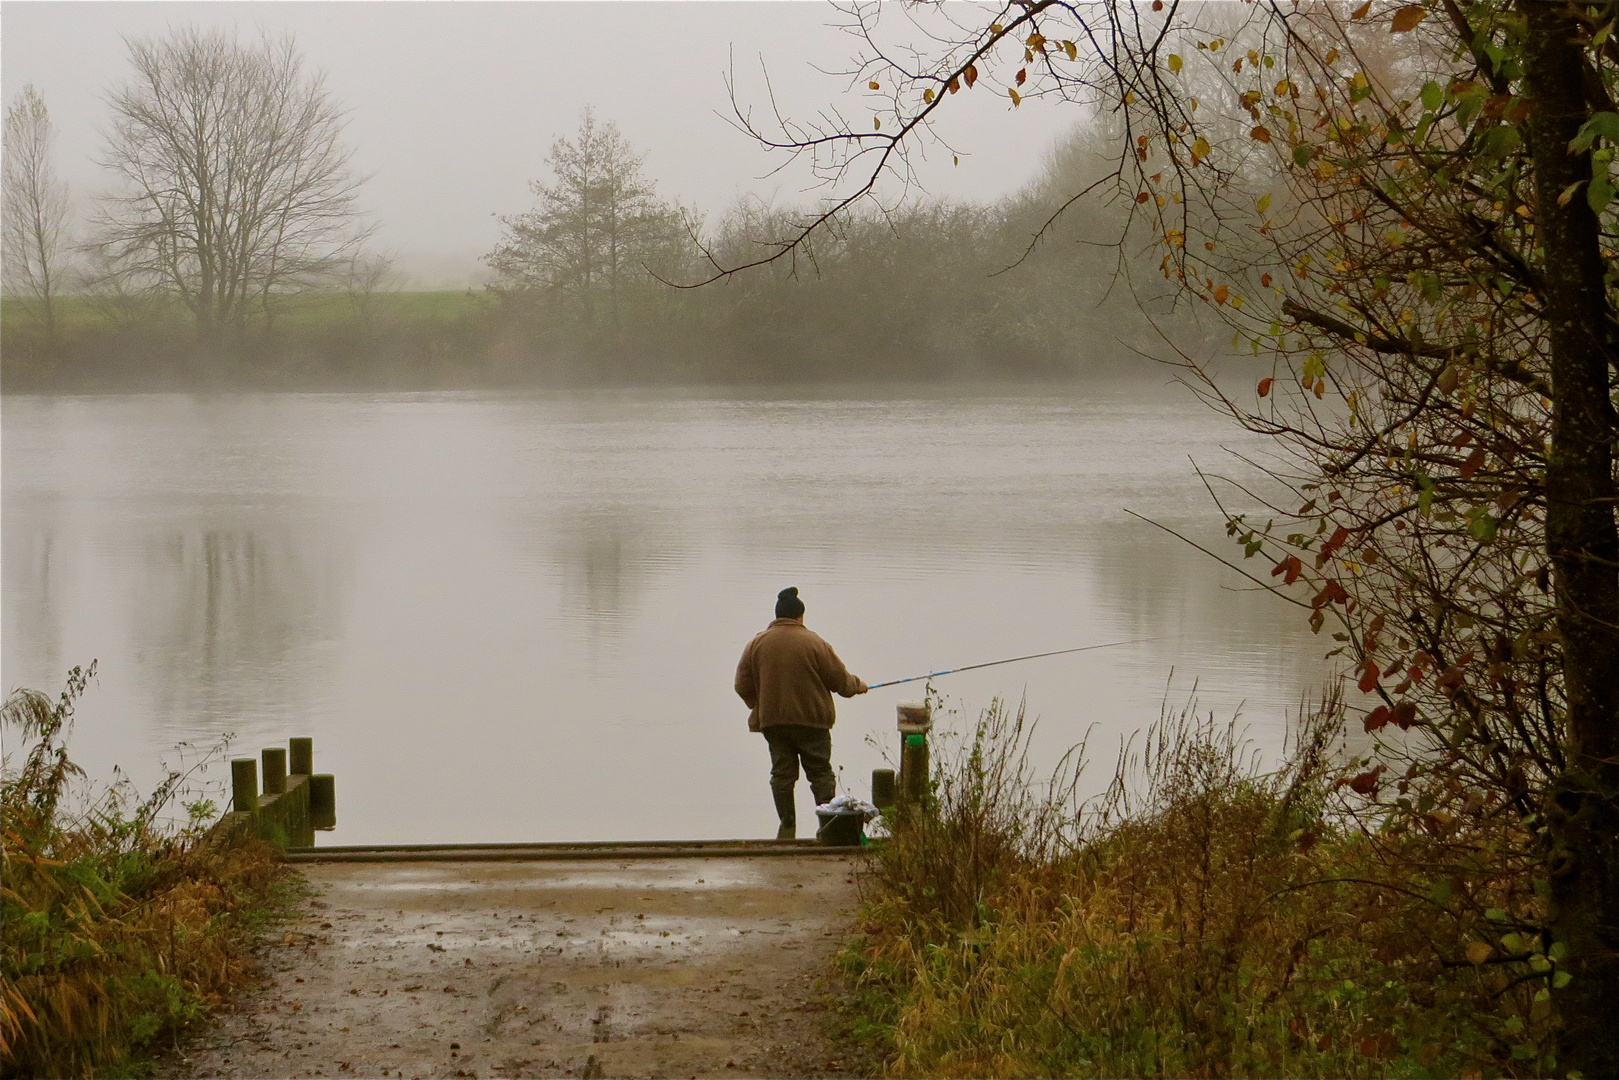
840	830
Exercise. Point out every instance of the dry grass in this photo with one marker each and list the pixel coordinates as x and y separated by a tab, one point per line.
118	930
1203	918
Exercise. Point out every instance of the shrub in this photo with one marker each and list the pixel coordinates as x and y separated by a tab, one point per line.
119	929
1201	918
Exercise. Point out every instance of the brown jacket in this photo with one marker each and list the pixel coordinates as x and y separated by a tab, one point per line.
788	676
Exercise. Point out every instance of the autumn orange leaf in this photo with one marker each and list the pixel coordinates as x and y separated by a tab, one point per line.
1262	133
1408	17
1366	782
1221	292
971	75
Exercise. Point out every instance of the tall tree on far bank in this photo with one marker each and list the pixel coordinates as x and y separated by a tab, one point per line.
35	207
593	230
235	185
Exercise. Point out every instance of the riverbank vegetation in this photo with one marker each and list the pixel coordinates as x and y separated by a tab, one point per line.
1205	916
1408	212
119	928
914	295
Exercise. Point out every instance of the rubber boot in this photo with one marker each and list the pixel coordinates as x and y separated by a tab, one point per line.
787	812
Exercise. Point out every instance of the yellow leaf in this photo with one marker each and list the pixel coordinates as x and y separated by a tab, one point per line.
1360	82
1264	203
877	123
1016	100
1201	147
1284	87
875	85
1174	62
1408	17
1478	952
1332	56
927	95
996	28
1071	49
971	75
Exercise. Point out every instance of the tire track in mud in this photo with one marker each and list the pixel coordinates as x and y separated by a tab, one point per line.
656	968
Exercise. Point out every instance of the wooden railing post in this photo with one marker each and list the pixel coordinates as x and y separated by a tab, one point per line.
322	801
915	721
882	788
244	785
302	760
274	759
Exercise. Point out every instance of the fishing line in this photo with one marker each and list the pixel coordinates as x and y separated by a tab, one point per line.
1012	660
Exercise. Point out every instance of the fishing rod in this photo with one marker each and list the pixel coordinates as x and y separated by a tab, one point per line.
1013	660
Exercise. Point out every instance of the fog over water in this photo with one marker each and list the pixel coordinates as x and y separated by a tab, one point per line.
517	617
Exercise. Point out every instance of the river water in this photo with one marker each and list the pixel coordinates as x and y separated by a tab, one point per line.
517	617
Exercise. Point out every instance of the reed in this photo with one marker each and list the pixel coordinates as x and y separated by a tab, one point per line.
1203	917
120	927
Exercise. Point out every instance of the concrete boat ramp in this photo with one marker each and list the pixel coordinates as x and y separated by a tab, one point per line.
655	960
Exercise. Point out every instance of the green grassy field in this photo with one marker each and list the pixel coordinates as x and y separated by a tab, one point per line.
79	315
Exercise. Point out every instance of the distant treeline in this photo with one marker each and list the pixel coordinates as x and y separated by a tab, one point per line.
930	292
258	271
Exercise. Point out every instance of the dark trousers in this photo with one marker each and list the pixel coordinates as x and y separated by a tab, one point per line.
791	744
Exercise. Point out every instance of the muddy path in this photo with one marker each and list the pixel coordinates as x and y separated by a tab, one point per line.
655	968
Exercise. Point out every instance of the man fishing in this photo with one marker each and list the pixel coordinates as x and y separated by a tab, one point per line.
787	677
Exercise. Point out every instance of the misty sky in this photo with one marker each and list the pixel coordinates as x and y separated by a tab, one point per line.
453	106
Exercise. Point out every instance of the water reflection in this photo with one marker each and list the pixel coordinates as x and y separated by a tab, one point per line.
227	625
33	606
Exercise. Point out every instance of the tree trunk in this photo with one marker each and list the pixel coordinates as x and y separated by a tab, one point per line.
1582	813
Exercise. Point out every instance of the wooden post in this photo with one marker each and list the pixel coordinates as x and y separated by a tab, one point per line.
915	721
914	768
882	788
322	801
303	756
244	785
274	759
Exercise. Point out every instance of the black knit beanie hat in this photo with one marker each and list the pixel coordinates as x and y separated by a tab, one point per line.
788	605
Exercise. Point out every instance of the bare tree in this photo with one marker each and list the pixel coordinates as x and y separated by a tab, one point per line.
593	229
364	276
236	187
36	206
